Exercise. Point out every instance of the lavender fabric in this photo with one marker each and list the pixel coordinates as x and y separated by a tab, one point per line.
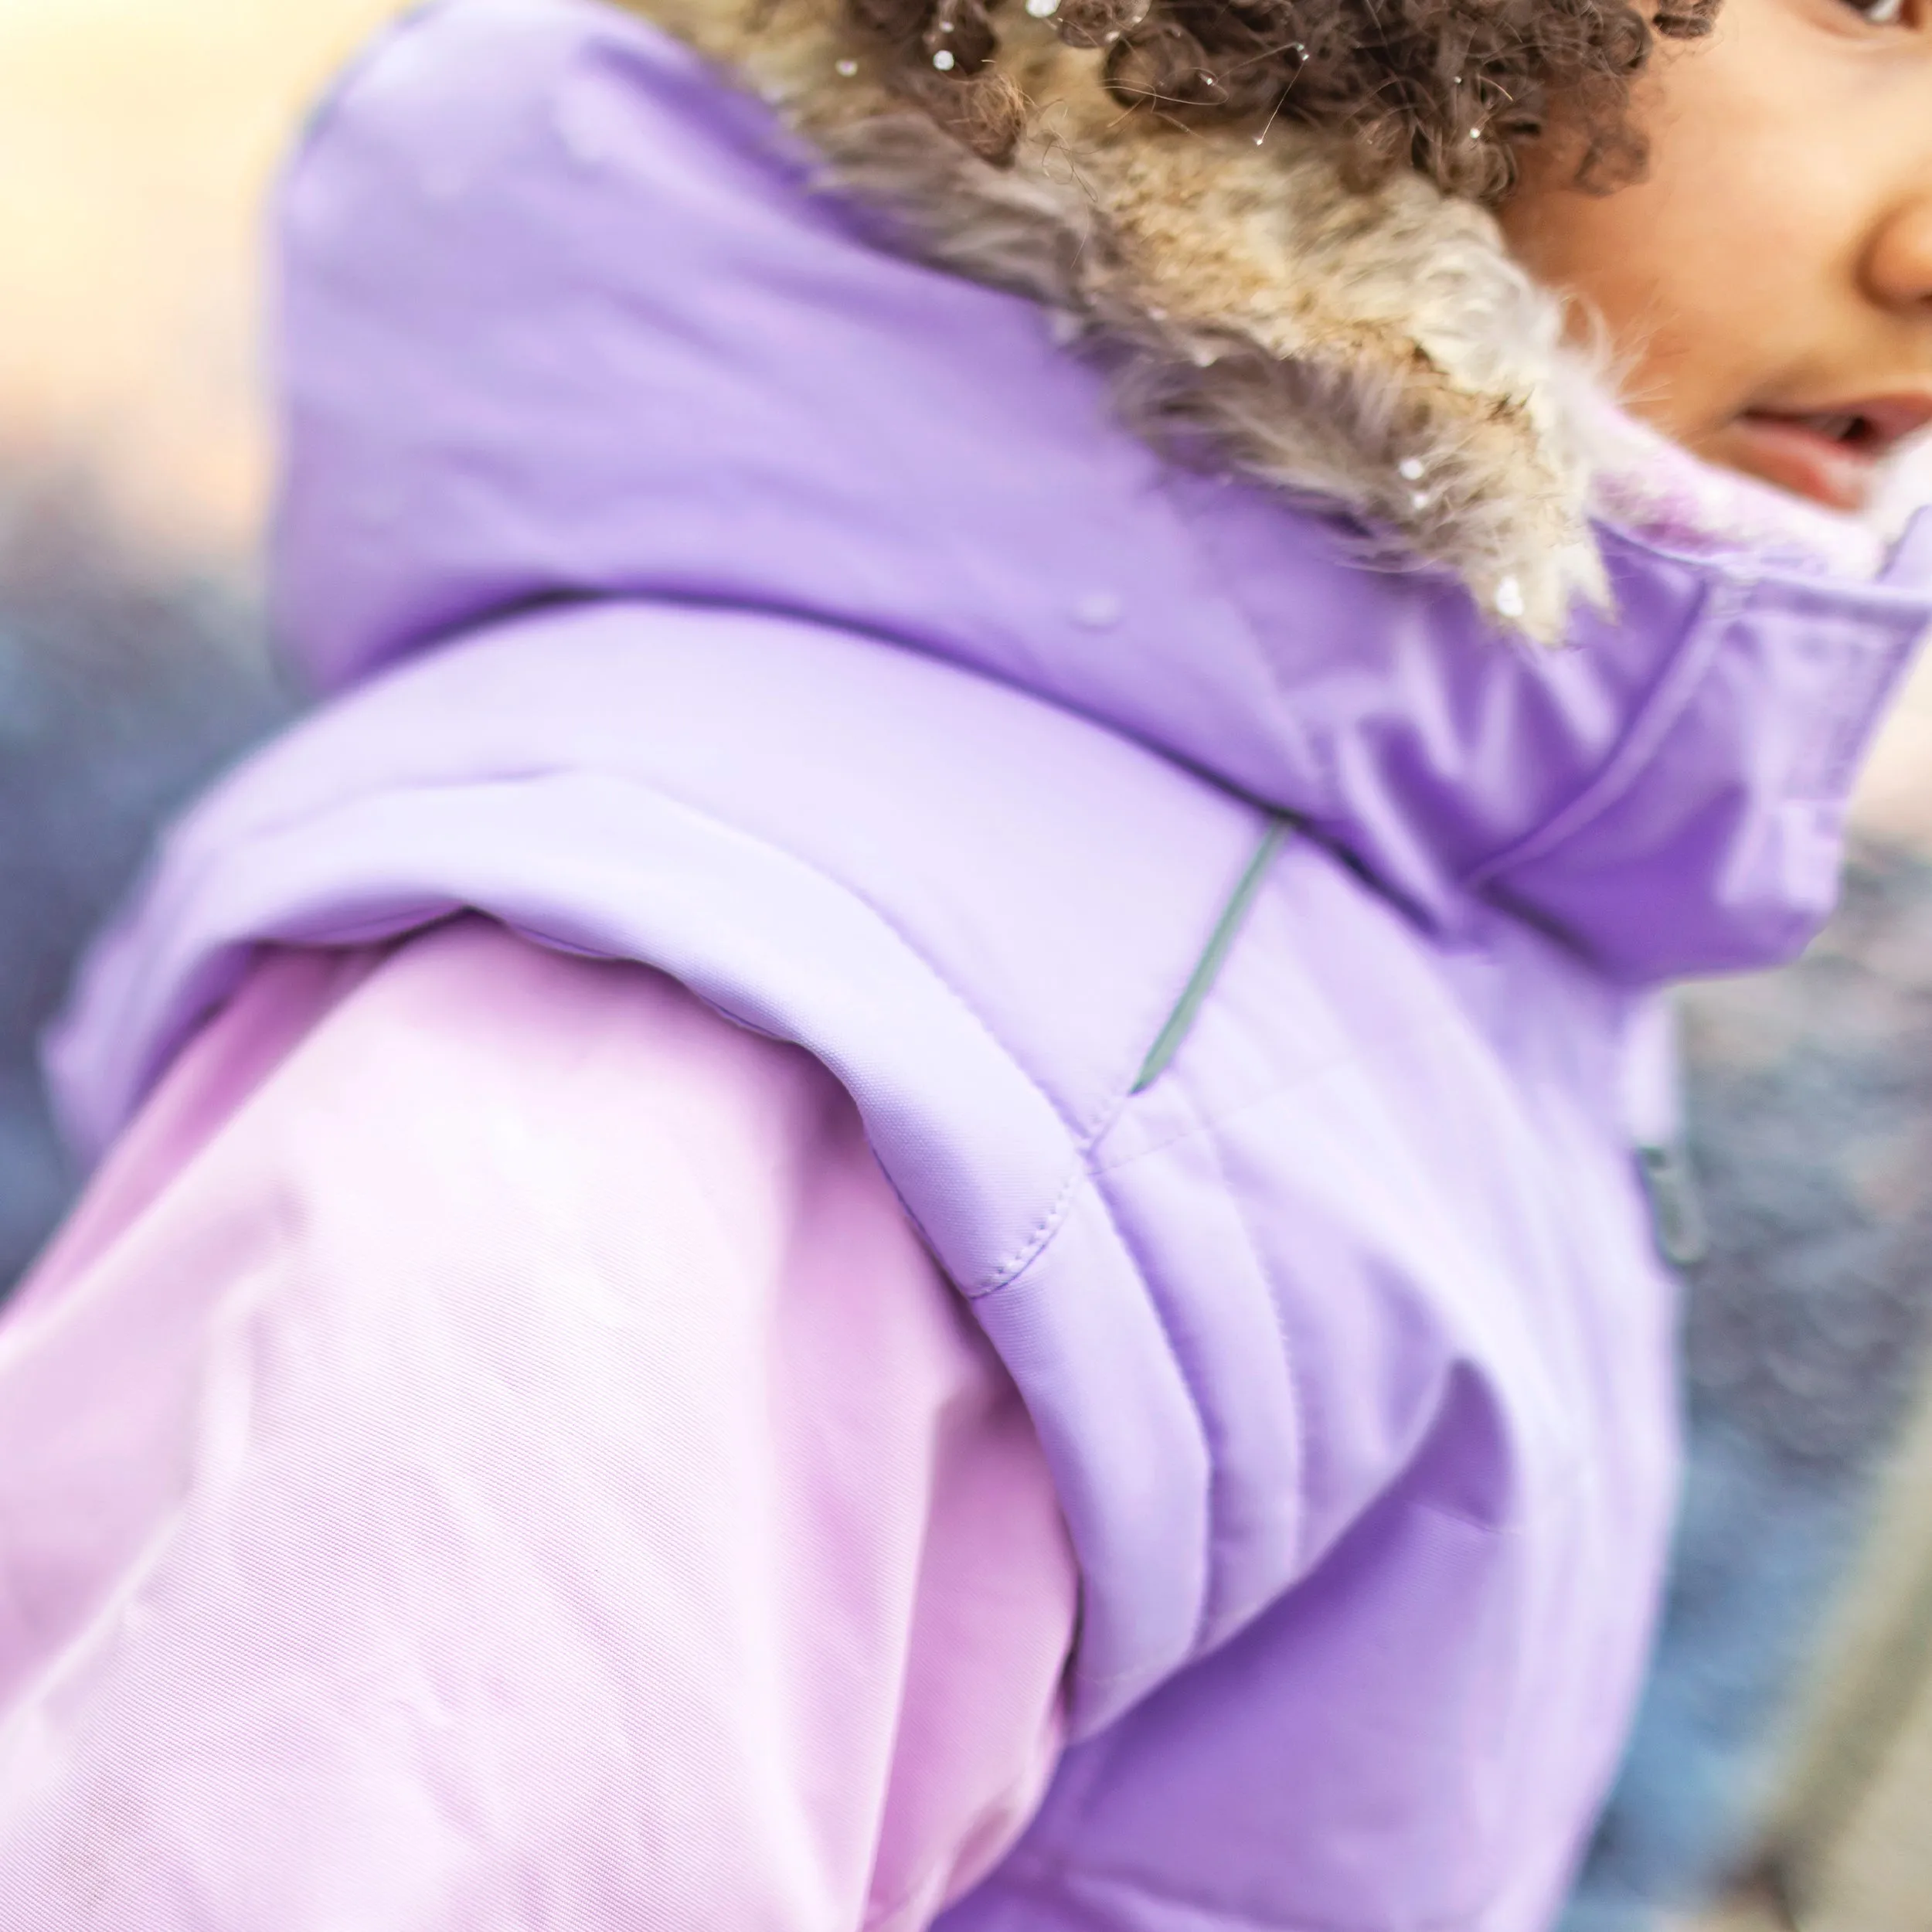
705	585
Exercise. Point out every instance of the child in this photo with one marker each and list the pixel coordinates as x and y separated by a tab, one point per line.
902	1173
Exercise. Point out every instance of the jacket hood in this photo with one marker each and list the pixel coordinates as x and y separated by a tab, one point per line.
567	313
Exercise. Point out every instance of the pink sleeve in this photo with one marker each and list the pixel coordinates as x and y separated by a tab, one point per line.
491	1450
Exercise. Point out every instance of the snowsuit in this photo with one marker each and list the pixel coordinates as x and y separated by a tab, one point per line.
1236	942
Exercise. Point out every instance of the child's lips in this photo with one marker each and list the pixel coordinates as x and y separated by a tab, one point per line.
1833	456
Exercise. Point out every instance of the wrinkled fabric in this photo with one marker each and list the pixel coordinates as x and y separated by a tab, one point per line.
702	584
486	1393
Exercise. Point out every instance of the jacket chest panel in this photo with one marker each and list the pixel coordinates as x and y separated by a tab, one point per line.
1385	1203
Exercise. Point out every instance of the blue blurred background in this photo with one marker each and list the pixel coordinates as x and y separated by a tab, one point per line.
125	679
1811	1130
136	140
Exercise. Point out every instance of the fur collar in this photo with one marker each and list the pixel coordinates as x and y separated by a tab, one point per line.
1380	352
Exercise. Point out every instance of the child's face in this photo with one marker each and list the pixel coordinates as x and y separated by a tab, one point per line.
1769	283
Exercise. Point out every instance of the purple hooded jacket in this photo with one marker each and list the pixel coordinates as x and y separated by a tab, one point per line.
1236	952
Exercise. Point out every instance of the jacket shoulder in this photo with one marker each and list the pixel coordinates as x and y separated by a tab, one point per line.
940	885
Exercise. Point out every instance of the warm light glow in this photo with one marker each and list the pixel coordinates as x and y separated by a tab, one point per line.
136	140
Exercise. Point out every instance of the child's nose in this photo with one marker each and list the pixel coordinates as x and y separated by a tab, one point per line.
1898	266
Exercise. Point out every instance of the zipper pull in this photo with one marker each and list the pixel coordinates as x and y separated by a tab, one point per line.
1676	1206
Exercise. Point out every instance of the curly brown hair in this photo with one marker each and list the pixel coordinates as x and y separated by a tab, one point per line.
1455	88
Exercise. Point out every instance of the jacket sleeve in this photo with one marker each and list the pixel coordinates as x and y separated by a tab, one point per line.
491	1448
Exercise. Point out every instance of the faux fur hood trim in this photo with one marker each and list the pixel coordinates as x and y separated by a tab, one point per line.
1378	353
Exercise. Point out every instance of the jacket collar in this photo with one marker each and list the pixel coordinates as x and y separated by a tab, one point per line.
1380	352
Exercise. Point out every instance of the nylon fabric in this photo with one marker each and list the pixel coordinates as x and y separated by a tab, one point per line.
702	583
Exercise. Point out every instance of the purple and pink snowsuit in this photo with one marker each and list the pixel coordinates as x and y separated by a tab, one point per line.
485	1386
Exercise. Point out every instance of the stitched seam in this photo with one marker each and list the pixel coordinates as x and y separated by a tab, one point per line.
1053	1219
566	774
1307	1076
1044	1229
1204	1127
504	623
1037	1241
1198	1414
1080	1134
1157	1302
799	863
1290	1355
